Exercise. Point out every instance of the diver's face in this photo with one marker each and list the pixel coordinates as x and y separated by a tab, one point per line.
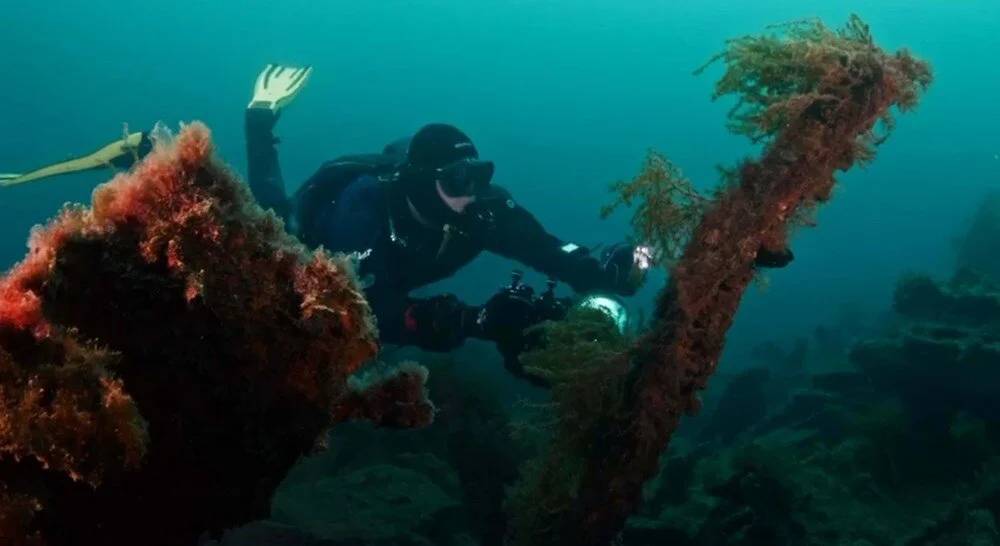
457	203
458	183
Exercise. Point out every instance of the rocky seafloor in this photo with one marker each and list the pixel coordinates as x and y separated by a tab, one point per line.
883	431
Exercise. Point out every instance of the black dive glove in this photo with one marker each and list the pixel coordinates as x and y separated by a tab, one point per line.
773	259
440	323
626	267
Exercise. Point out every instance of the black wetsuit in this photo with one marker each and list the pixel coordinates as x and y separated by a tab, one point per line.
367	214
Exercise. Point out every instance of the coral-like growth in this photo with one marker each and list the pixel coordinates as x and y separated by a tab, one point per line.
165	356
667	206
393	397
814	96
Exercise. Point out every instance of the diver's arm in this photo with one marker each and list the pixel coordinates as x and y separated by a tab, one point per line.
520	236
119	154
443	323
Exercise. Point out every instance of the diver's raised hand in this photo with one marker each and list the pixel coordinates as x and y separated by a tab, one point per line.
277	85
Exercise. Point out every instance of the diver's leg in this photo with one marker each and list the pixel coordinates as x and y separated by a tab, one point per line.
263	169
275	87
120	154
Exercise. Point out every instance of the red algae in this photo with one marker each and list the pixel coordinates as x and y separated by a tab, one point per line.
20	306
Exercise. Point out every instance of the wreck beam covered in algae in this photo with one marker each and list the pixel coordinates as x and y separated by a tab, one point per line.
819	100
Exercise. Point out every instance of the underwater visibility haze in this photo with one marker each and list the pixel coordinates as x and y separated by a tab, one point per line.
796	205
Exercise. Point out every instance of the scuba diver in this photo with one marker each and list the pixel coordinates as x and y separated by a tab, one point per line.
411	215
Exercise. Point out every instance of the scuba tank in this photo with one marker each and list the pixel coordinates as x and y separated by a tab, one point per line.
326	185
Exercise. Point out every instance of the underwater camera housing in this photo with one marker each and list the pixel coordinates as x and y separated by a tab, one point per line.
547	306
517	308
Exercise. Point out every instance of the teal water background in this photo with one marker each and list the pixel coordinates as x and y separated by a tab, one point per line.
566	96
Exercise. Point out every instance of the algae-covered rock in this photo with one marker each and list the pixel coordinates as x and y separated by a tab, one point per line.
167	354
